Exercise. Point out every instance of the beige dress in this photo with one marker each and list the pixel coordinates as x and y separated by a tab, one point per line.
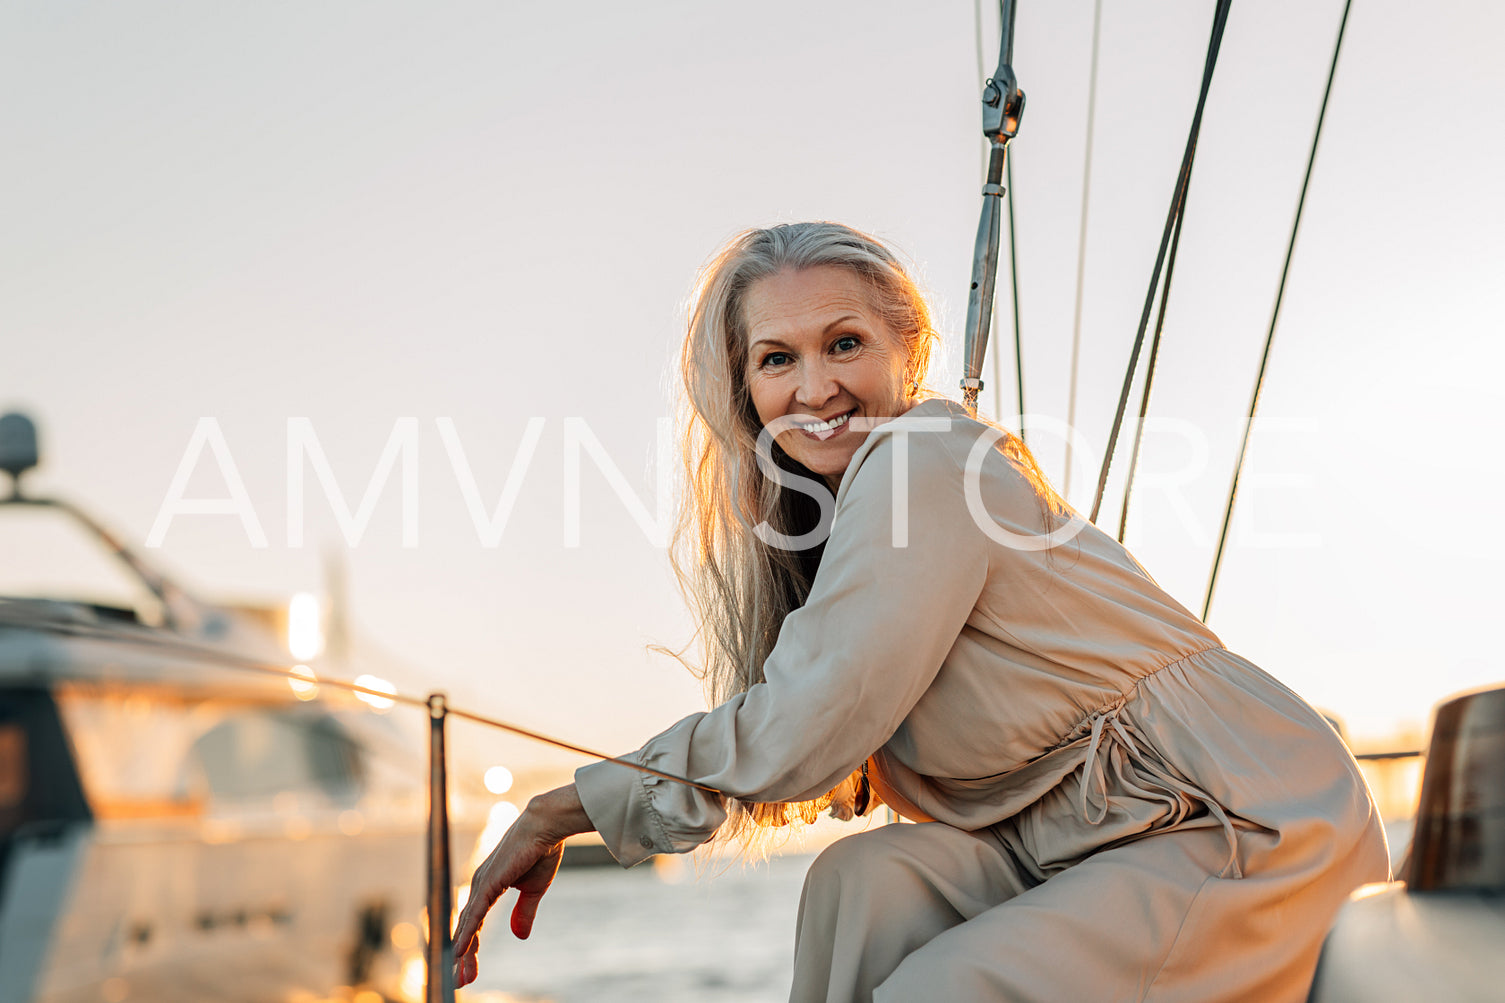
1115	807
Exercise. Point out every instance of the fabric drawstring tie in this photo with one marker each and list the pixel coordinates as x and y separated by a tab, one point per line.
1112	741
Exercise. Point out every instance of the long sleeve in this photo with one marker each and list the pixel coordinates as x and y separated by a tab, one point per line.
848	666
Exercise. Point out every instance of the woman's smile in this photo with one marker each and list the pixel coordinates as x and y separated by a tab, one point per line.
822	431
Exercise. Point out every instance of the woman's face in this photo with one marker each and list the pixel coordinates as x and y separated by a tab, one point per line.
820	355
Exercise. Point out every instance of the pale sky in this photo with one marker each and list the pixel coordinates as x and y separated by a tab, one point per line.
493	212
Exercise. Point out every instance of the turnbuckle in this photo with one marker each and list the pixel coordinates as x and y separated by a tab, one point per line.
1002	105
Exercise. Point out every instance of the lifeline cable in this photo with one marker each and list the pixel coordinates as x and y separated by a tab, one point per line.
1285	271
245	663
1220	20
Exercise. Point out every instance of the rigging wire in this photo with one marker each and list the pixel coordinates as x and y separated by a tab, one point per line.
227	659
1149	375
1220	20
1008	170
1008	196
1285	271
1081	252
982	71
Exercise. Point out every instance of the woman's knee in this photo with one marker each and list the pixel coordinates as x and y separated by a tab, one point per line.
853	865
895	868
884	851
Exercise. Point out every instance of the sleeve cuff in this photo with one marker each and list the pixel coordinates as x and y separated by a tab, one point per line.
639	814
618	807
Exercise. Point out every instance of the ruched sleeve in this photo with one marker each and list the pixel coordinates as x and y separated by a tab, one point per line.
902	570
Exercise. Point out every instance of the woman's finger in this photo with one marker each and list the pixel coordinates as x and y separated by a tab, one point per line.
469	924
485	889
531	888
524	912
483	895
466	965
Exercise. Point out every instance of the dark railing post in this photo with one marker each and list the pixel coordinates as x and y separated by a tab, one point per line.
441	948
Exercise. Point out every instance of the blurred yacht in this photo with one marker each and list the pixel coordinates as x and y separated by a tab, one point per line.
174	825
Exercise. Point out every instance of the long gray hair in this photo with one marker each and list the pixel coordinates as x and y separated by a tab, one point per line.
739	587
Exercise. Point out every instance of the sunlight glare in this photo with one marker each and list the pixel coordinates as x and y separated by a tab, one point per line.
305	629
371	682
498	780
303	682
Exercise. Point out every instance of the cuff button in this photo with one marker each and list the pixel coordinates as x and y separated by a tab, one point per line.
645	842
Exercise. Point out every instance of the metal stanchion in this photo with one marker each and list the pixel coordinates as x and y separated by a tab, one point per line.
441	948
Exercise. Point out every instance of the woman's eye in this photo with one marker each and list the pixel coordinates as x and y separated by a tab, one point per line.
775	359
846	343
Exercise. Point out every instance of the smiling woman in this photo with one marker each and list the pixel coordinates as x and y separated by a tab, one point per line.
1111	804
797	331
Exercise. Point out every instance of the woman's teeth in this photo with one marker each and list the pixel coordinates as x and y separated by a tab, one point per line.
825	429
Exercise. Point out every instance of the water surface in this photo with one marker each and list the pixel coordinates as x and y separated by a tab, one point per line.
605	935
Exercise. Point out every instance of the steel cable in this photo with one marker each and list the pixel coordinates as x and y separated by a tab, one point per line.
1008	168
1220	21
1285	271
1081	252
1149	367
228	659
1008	198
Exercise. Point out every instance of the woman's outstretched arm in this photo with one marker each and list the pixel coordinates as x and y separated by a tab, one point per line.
902	571
526	858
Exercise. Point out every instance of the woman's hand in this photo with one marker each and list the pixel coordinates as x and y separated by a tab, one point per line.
527	859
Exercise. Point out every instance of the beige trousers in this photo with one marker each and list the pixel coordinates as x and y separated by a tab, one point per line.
935	914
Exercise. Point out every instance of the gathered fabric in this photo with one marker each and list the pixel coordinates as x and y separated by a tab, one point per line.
1129	765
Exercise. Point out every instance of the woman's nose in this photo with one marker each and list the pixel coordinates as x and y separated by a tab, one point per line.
816	387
